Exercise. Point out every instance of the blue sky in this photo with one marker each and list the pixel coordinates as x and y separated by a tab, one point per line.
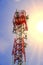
7	8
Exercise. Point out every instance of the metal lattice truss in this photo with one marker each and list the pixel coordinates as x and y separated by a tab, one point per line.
19	45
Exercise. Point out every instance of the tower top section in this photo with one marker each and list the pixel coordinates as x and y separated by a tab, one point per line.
20	17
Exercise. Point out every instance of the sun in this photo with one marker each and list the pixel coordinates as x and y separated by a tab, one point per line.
35	26
40	26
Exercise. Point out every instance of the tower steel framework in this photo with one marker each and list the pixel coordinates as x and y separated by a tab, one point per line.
19	29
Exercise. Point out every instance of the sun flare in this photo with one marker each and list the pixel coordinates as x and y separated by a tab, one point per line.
35	26
40	26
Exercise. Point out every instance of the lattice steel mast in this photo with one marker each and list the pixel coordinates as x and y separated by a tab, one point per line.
19	28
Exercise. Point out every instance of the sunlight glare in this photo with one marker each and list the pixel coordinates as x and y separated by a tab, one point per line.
40	26
35	26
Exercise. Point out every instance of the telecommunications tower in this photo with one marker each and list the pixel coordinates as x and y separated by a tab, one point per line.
19	29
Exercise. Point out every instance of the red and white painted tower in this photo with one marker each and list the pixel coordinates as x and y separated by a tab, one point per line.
19	29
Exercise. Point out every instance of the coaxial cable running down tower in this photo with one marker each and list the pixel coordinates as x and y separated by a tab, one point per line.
19	28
